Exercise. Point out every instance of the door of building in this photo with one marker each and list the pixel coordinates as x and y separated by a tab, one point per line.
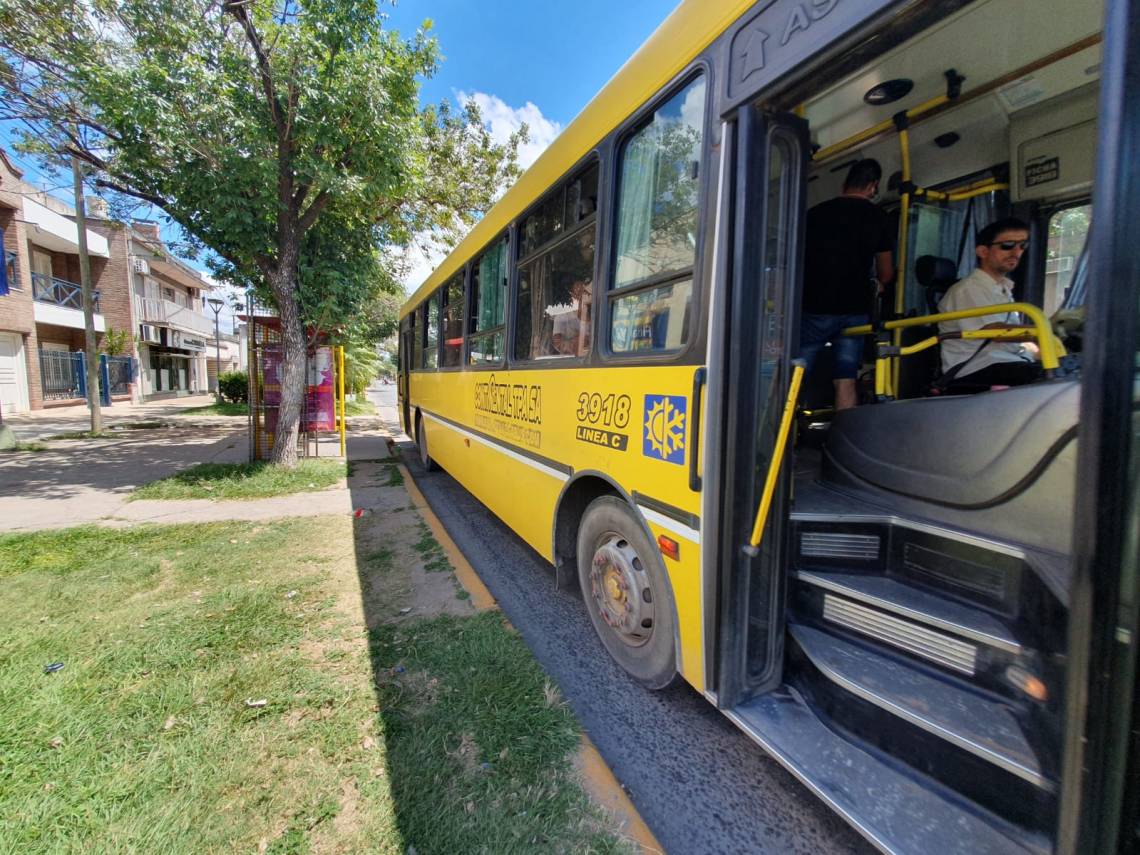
13	374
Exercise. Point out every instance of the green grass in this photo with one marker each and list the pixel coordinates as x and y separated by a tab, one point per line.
243	480
434	558
144	741
39	446
84	434
359	408
440	735
479	741
226	408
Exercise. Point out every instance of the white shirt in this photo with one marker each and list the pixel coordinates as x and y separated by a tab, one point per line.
978	289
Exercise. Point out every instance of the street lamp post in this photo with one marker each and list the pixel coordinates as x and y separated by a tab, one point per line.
216	305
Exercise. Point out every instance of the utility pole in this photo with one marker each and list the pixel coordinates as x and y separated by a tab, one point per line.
88	302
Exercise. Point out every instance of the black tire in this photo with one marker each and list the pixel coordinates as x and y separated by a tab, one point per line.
616	558
428	464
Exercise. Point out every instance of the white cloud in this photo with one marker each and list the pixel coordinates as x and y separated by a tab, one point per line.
503	120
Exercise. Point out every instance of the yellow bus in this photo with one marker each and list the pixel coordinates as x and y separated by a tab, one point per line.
923	606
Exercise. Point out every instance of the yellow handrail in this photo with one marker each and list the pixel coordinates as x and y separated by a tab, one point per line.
887	363
798	366
881	128
1042	331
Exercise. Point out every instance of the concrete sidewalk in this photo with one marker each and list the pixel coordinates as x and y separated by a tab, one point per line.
90	480
40	424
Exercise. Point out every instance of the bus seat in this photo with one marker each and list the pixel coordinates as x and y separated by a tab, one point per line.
918	371
967	451
935	275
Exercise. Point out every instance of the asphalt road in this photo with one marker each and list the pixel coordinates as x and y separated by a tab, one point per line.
699	783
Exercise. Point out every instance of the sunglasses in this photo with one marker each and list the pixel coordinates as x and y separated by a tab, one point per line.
1007	245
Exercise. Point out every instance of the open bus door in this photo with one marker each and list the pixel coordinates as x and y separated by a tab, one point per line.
405	358
770	196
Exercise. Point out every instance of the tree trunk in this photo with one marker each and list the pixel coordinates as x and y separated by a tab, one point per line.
293	366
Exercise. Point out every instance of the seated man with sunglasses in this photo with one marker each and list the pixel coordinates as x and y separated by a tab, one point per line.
999	247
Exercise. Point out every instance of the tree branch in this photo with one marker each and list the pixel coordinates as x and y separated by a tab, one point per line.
312	212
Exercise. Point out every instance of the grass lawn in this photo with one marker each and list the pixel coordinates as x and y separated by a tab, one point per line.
243	480
219	693
359	408
226	408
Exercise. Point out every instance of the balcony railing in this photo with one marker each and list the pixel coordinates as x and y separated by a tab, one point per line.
156	311
60	292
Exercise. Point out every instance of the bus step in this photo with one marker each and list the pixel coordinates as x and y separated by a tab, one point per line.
979	725
897	812
908	602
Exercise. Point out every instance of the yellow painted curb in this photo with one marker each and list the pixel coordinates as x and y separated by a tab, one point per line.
480	597
604	789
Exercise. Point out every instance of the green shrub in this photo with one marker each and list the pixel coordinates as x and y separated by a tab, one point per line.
234	386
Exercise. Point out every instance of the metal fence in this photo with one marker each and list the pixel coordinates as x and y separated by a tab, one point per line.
60	374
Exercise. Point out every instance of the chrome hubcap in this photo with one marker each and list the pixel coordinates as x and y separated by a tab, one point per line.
620	588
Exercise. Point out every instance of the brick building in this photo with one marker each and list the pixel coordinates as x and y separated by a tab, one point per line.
148	304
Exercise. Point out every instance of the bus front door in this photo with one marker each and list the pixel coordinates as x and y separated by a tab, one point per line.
762	329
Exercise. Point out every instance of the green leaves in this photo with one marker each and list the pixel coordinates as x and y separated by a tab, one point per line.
284	135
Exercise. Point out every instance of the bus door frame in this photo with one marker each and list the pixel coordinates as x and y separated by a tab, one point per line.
750	390
1100	780
403	389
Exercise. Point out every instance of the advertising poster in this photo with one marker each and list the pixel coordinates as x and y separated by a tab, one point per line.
319	391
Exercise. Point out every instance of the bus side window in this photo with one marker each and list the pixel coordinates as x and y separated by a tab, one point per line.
485	323
453	322
658	184
431	332
556	272
417	324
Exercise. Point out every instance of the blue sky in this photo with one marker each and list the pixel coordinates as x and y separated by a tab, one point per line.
522	60
534	62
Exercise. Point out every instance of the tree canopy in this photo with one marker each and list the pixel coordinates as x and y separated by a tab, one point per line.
285	137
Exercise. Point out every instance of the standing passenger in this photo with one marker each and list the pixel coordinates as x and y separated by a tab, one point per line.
848	246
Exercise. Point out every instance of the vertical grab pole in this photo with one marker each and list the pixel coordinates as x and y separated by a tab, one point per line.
340	392
902	122
777	456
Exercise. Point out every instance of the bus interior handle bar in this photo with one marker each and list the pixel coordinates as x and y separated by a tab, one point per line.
798	366
1046	342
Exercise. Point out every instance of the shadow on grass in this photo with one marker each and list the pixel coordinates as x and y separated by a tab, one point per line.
479	742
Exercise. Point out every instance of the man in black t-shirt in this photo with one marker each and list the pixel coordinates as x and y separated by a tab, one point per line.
848	247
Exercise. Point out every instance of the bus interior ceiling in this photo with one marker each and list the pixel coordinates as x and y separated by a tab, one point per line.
1029	92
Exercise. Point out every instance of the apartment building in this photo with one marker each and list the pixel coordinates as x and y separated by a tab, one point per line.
150	317
172	327
41	315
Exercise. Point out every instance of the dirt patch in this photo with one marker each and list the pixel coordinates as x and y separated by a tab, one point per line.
397	579
467	753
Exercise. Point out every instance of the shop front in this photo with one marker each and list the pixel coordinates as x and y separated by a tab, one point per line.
175	365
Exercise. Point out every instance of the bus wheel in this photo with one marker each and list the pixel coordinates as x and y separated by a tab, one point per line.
626	592
421	443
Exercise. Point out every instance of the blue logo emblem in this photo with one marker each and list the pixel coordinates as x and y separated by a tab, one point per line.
665	428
